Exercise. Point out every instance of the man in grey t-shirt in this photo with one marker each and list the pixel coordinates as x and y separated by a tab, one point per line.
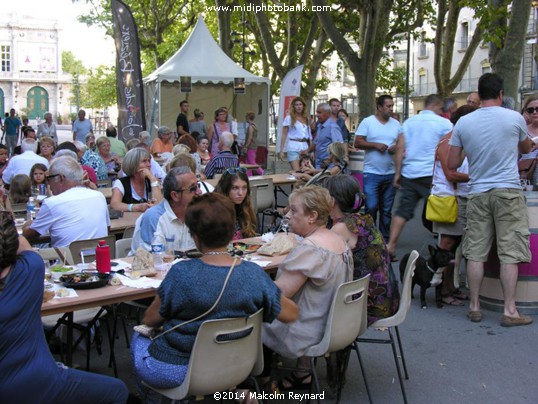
490	137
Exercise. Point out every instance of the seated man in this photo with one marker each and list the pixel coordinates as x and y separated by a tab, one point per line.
74	212
168	217
224	158
23	163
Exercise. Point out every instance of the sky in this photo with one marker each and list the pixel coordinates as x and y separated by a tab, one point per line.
89	44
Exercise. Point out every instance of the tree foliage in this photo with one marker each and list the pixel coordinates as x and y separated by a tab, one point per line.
100	87
72	65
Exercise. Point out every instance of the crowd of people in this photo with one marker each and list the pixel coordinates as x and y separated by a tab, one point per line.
470	152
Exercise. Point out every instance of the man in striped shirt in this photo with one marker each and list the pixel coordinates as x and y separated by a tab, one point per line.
224	158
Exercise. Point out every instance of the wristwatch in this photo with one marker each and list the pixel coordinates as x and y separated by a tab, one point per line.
155	184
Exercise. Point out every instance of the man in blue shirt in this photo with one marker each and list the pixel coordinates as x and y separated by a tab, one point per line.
327	132
12	125
413	177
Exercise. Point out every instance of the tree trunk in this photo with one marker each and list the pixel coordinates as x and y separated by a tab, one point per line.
224	19
506	59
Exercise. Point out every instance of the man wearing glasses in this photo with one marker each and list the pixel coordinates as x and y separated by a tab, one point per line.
65	215
168	217
224	158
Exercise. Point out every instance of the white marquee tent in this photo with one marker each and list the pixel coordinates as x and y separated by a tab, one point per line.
212	75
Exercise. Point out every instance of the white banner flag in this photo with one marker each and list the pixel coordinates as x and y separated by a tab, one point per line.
291	88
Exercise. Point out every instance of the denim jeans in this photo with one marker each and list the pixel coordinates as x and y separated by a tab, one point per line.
379	193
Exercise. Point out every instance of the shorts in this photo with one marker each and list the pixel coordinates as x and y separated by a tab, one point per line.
500	213
410	192
294	155
458	228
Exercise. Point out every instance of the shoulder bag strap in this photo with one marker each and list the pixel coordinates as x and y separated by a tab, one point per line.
209	310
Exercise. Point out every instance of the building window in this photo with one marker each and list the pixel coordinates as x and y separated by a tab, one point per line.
5	57
464	35
486	66
400	59
422	85
422	51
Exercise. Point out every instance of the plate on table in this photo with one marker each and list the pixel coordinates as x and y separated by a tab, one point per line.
85	280
247	248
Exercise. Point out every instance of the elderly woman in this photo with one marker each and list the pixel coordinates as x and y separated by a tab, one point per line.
309	275
139	189
220	126
192	286
90	141
47	148
111	159
29	372
370	254
47	128
91	159
234	185
163	143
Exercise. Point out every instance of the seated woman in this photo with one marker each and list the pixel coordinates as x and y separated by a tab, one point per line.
90	141
234	184
20	189
29	372
186	159
370	254
163	143
309	275
139	189
111	159
47	148
191	287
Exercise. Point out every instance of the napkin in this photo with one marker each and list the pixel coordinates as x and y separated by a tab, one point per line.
66	292
141	283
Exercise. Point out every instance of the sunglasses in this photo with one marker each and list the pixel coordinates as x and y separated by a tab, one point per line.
48	177
531	110
235	170
188	254
192	189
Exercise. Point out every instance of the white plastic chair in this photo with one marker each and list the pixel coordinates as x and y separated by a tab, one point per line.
386	324
265	197
218	363
345	323
123	247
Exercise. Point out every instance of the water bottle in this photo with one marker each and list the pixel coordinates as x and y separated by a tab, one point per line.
102	257
30	209
158	250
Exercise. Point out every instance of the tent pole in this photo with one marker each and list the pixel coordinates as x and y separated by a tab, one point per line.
273	115
153	113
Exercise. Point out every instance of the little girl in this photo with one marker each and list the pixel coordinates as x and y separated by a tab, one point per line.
3	158
37	176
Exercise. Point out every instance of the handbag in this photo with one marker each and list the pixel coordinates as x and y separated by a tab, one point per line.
154	333
526	168
442	209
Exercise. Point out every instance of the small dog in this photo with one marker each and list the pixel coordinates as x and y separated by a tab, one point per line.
429	273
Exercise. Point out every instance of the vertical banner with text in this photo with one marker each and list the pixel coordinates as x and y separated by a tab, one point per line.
291	87
130	89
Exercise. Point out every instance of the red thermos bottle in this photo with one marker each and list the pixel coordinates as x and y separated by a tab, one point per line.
102	257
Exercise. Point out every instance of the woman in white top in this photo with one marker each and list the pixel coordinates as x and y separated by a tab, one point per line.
47	128
296	134
448	182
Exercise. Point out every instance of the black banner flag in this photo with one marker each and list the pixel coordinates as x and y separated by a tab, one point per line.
130	89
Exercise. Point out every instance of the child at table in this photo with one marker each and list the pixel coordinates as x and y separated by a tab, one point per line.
3	158
37	176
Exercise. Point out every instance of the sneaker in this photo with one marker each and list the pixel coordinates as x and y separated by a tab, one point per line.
508	321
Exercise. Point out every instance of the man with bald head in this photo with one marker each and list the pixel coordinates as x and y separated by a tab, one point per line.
473	99
224	158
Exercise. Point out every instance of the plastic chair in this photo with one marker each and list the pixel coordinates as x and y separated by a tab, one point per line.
83	251
218	362
123	247
128	232
394	321
50	254
345	322
265	197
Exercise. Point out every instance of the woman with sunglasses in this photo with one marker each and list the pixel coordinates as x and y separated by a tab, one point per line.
139	189
530	113
234	184
29	372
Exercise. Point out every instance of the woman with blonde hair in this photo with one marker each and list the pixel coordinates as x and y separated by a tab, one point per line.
335	164
47	148
296	135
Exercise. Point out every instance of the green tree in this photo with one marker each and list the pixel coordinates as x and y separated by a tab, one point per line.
75	67
100	87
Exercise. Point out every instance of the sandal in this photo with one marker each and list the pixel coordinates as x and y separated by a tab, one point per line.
294	383
451	301
474	316
458	294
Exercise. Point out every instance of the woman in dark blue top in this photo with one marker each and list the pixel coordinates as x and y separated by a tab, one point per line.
190	289
28	371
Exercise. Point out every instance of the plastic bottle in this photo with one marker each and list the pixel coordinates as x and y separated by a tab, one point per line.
158	249
102	257
30	209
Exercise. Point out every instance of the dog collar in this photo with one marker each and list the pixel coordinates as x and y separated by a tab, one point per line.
433	271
